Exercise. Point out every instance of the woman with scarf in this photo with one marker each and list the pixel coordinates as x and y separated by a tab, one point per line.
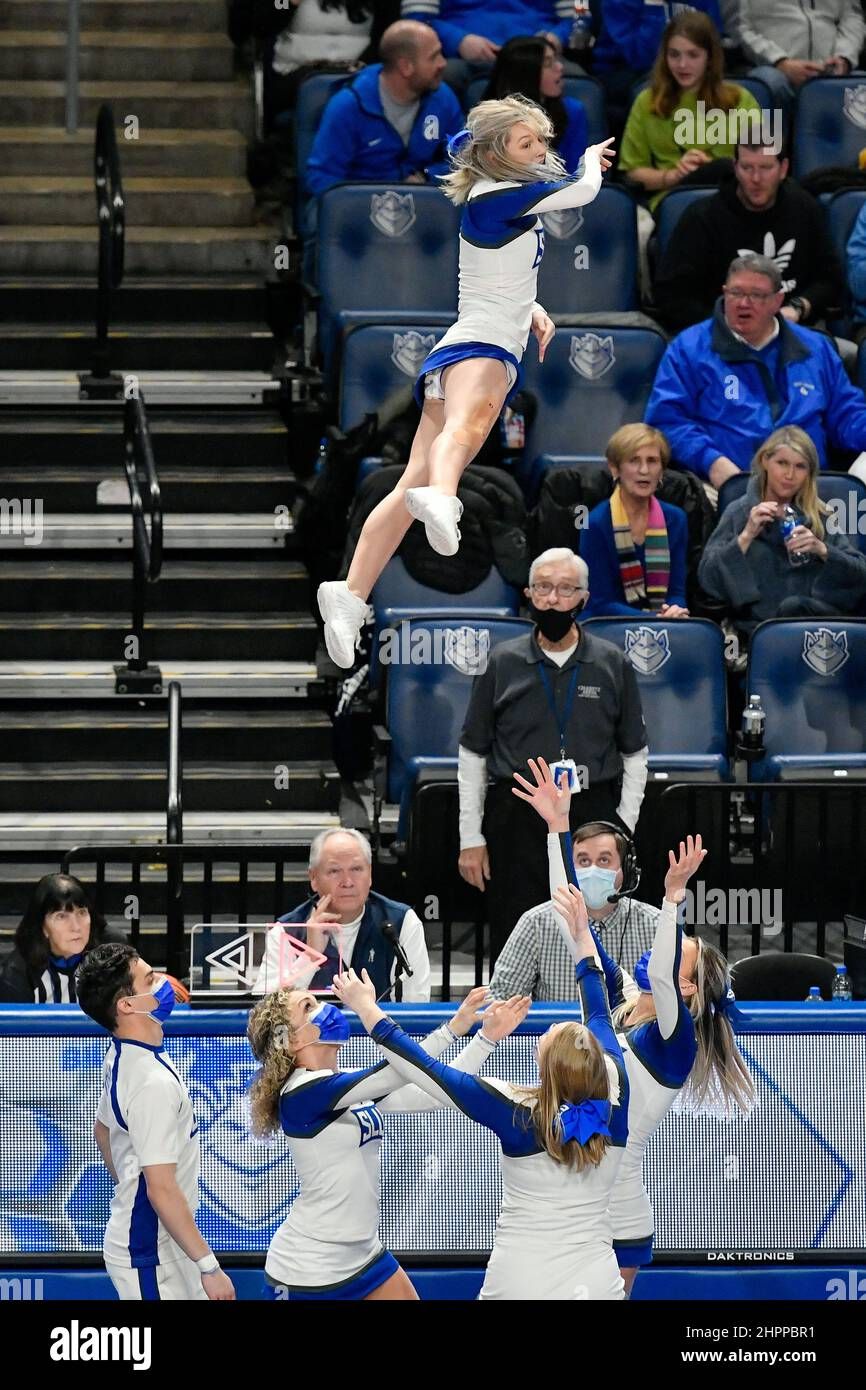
676	1036
634	545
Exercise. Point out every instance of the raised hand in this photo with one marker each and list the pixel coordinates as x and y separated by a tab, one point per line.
503	1016
355	992
570	903
606	153
550	800
691	855
320	921
471	1011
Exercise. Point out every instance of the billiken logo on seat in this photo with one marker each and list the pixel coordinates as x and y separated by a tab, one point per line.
854	106
647	649
410	350
591	356
392	213
564	224
825	652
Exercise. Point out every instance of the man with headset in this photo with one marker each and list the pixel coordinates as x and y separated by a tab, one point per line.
535	959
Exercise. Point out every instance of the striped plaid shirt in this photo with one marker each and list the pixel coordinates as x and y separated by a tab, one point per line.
535	959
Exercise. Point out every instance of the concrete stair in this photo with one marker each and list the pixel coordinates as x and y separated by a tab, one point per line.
55	200
160	104
176	55
192	250
155	154
197	15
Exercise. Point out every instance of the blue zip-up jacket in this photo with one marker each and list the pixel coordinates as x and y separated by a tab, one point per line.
356	143
715	396
631	31
598	549
499	22
856	266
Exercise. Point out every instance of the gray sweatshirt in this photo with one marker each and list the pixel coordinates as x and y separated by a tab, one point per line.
755	584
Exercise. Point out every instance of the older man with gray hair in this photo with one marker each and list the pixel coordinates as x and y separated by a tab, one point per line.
564	694
345	919
725	384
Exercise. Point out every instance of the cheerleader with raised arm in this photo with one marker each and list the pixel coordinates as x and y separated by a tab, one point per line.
676	1036
328	1247
562	1139
505	176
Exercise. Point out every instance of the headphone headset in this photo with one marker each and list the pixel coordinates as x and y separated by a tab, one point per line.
629	865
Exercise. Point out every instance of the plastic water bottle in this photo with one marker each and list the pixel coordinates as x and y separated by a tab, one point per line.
842	992
754	724
814	995
581	29
789	521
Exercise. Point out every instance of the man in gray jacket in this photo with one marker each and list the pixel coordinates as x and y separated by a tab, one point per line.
791	42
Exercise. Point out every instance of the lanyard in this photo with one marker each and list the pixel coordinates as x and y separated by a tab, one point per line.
561	724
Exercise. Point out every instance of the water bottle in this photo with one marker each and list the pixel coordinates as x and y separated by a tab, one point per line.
842	991
754	724
789	521
814	995
581	29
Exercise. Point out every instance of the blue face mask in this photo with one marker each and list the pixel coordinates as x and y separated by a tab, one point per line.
596	885
332	1024
165	1001
641	974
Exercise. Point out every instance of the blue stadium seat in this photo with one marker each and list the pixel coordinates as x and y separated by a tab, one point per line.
397	596
591	382
671	209
383	253
842	491
377	360
587	463
811	677
590	256
841	211
829	128
586	89
313	96
680	668
427	696
760	91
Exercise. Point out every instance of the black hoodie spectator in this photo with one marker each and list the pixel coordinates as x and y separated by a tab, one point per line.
787	225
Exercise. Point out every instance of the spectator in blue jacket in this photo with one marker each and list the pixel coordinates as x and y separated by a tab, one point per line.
856	268
473	31
392	124
631	34
532	67
727	383
634	544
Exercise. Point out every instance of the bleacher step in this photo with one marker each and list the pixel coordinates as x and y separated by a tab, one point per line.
27	249
216	786
215	586
72	489
51	830
91	531
212	680
197	15
217	443
181	388
60	200
168	636
183	55
218	105
156	153
139	347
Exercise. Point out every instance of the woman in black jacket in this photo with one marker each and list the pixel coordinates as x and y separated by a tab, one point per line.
58	928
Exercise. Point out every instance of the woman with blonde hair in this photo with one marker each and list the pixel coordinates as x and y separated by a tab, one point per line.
664	143
751	565
328	1247
504	175
562	1139
676	1036
634	544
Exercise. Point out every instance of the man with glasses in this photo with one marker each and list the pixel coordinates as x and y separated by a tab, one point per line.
725	384
569	696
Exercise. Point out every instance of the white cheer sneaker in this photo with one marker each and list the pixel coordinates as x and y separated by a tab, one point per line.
440	515
344	614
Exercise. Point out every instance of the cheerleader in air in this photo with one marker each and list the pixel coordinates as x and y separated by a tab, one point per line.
676	1036
328	1247
505	176
562	1139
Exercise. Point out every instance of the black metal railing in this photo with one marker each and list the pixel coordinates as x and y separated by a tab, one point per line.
137	677
111	215
174	914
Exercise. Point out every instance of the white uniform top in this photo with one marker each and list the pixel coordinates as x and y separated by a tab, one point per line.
553	1236
149	1116
333	1120
501	246
658	1054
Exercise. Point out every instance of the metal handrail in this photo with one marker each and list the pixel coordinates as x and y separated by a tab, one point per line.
174	772
136	676
111	214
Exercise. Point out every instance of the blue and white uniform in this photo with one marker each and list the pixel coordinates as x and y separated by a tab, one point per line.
553	1236
501	246
329	1246
149	1116
659	1055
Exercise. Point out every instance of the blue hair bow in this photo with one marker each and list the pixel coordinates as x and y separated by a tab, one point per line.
456	143
582	1121
726	1003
